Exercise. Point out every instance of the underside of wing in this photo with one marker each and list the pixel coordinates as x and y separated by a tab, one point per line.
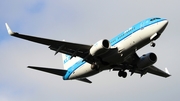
73	49
154	70
142	65
60	46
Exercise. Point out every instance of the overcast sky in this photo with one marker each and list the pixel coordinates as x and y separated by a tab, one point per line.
84	21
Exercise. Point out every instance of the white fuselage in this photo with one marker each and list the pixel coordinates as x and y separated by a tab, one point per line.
136	40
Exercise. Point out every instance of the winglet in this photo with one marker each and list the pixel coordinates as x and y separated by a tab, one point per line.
9	30
166	70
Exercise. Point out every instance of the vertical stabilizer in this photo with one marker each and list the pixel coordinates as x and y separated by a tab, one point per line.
66	58
68	61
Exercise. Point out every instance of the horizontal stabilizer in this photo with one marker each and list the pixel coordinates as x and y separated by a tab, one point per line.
59	72
85	80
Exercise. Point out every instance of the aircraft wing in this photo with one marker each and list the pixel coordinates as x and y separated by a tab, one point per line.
73	49
154	70
132	60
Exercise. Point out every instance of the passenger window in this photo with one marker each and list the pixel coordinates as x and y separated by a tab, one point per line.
154	19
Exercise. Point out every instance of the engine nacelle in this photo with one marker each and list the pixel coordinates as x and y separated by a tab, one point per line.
146	60
100	47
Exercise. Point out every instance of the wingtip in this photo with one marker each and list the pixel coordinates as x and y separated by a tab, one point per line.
9	30
166	70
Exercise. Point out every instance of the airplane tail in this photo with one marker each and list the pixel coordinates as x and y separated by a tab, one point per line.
66	58
69	61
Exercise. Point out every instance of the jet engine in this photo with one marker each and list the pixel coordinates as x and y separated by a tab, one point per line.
100	47
146	60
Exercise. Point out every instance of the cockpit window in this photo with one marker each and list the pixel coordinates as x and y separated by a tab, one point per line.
154	19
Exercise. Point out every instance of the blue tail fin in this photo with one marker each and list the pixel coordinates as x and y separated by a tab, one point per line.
68	61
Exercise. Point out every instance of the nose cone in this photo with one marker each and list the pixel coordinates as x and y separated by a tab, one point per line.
163	25
165	22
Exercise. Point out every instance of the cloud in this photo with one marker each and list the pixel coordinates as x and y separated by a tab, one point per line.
36	7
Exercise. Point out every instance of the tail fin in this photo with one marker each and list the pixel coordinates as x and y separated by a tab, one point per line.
66	58
69	61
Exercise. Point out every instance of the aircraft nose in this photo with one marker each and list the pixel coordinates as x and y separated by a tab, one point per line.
165	22
163	25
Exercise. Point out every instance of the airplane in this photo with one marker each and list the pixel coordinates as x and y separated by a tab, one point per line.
118	54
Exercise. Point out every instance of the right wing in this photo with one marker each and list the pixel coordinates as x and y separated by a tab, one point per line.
73	49
154	70
132	60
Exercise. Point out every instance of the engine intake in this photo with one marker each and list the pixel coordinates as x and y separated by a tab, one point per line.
147	60
100	47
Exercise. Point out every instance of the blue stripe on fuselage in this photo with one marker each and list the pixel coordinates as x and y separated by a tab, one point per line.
73	68
133	29
116	40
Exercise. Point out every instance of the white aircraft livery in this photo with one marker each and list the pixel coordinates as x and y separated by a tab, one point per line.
118	54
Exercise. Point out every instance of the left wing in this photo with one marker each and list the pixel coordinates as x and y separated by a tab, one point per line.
73	49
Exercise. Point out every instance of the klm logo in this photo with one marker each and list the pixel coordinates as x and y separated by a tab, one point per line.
68	57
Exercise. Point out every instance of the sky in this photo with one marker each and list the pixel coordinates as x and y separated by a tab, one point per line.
83	21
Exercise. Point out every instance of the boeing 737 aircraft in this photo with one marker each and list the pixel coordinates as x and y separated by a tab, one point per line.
118	54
